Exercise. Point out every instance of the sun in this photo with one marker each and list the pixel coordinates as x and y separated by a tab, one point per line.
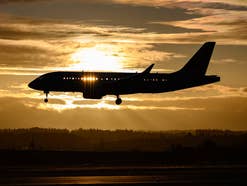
96	59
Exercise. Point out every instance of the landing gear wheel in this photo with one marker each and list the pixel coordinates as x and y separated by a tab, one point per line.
118	101
46	96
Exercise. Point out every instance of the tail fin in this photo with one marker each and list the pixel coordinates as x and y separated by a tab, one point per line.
198	64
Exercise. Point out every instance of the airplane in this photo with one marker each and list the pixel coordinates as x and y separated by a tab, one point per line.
95	85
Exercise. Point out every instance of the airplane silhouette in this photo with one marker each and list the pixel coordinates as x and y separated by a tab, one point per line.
95	85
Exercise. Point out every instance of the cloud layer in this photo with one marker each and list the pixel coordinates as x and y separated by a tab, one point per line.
41	36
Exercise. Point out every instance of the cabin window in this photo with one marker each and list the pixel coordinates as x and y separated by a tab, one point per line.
89	78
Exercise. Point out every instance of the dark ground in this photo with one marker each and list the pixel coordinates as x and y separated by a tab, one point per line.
91	157
177	167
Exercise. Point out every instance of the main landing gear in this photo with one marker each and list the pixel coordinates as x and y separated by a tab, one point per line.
46	96
118	100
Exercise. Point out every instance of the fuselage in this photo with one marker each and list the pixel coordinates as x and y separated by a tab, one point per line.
98	84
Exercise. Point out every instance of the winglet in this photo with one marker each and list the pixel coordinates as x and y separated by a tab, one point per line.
148	69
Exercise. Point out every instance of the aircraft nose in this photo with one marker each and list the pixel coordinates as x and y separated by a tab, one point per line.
32	84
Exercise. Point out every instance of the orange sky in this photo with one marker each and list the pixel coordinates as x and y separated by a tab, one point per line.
122	35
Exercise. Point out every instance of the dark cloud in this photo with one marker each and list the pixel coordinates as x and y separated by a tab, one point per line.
16	28
104	14
224	6
29	56
195	5
19	1
15	34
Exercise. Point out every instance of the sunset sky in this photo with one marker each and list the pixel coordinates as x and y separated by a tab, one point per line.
40	36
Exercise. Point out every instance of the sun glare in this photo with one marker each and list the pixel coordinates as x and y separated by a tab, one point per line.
96	59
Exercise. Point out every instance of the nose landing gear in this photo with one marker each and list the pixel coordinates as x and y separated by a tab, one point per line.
46	96
118	100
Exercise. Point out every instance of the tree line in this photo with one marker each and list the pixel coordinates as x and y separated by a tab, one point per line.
118	140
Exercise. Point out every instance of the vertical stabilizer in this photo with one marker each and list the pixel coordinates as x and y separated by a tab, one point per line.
198	64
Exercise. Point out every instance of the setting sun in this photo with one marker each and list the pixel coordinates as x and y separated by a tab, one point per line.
96	59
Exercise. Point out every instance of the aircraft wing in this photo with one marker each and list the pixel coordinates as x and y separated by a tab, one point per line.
147	70
136	76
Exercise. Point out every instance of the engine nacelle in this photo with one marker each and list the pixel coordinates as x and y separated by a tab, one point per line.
90	95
